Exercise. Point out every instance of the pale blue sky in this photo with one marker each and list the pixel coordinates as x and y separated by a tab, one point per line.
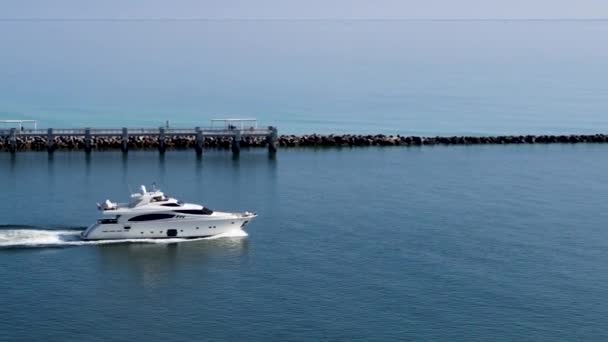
291	9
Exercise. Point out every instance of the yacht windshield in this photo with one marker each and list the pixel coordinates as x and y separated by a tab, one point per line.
171	205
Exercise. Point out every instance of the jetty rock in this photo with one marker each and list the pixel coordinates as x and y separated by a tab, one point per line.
40	143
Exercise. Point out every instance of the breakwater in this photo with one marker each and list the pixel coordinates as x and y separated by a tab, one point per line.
161	138
144	142
398	140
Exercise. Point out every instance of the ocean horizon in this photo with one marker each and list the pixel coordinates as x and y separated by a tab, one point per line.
408	77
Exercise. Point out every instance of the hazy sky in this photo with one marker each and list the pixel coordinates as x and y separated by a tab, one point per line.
291	9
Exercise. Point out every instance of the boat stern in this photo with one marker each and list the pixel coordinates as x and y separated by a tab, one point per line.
86	234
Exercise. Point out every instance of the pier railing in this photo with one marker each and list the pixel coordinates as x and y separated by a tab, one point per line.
206	131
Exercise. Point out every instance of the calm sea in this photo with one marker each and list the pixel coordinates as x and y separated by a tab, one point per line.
399	77
479	243
500	243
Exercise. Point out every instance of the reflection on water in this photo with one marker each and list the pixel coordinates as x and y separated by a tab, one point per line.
87	164
125	162
152	265
198	165
162	166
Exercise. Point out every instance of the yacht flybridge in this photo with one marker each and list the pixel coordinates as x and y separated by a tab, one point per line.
151	214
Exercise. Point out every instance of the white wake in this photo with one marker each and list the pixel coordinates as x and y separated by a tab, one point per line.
14	238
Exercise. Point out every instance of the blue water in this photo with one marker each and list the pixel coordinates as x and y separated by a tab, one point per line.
500	243
477	243
305	76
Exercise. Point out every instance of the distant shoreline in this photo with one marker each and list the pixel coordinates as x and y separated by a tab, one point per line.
39	143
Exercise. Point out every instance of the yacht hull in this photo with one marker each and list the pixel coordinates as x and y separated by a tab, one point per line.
164	229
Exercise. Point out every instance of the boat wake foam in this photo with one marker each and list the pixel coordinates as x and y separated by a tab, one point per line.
36	238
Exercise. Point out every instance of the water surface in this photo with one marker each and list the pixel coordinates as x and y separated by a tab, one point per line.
438	243
306	76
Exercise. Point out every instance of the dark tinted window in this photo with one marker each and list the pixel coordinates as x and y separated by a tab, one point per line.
151	217
204	211
109	220
171	205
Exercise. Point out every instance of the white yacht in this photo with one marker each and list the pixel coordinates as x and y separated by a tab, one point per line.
151	214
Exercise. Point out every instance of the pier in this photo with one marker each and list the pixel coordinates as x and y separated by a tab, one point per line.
234	133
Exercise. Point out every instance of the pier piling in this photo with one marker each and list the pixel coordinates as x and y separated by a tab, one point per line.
13	141
161	140
200	141
124	143
87	140
271	139
236	143
50	141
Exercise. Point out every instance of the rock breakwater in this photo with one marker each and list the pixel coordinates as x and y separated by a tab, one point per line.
398	140
39	143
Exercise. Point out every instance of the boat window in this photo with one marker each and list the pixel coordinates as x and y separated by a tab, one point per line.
204	211
134	203
151	217
171	205
108	220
